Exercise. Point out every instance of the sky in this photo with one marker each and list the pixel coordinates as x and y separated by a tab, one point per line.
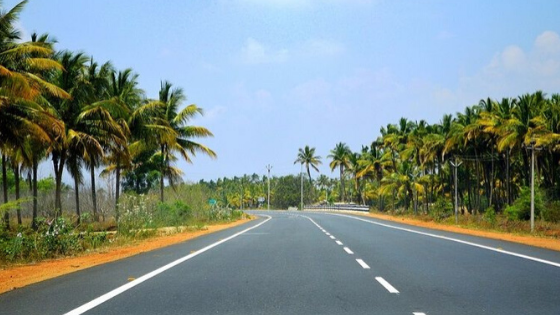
275	75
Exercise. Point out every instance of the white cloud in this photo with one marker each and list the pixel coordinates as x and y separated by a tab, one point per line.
321	47
256	53
509	73
244	98
548	43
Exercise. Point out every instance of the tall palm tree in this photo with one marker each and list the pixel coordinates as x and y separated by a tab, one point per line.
72	80
21	89
166	126
124	98
307	157
339	156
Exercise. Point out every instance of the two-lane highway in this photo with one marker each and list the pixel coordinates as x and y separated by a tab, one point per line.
310	263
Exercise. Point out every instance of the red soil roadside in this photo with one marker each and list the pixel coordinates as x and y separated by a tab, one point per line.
15	277
548	243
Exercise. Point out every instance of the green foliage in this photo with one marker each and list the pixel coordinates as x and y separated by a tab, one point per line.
490	216
521	207
287	191
46	184
551	212
442	209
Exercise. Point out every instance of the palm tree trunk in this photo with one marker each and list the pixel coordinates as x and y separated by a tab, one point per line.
163	160
34	184
341	185
117	191
93	193
5	190
58	163
491	180
77	197
17	182
508	184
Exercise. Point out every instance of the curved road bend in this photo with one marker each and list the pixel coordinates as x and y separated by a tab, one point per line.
310	263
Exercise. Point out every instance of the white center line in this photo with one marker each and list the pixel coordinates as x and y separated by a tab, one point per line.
348	251
339	243
332	237
107	296
387	285
362	263
418	313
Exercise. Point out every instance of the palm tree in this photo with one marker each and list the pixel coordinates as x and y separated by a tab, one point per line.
166	126
307	157
124	98
339	156
21	88
72	80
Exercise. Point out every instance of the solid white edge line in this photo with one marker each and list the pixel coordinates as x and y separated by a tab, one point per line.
548	262
339	243
387	285
348	251
111	294
362	263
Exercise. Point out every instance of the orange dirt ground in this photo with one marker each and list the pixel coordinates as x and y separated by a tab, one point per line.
19	276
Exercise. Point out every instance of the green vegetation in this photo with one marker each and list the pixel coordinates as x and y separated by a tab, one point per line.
85	115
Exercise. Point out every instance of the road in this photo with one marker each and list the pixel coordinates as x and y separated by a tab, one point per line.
310	263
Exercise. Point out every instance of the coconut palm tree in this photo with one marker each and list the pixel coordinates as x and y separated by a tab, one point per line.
164	124
307	157
21	89
339	156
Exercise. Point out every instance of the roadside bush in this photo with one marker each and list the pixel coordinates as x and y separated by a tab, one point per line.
442	209
490	216
521	207
551	212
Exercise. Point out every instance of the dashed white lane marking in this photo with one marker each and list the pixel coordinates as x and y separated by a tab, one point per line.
548	262
332	237
362	263
387	285
328	234
107	296
339	243
348	251
418	313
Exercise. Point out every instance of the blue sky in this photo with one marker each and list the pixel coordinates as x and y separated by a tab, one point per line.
276	75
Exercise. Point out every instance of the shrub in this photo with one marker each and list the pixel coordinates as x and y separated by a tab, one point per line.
521	207
551	212
442	209
490	215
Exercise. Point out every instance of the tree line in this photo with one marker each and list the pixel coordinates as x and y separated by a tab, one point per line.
410	165
85	115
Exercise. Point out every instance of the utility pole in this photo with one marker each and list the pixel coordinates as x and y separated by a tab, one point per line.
455	166
268	167
533	148
301	176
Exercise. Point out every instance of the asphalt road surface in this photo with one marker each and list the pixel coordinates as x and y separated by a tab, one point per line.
310	263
